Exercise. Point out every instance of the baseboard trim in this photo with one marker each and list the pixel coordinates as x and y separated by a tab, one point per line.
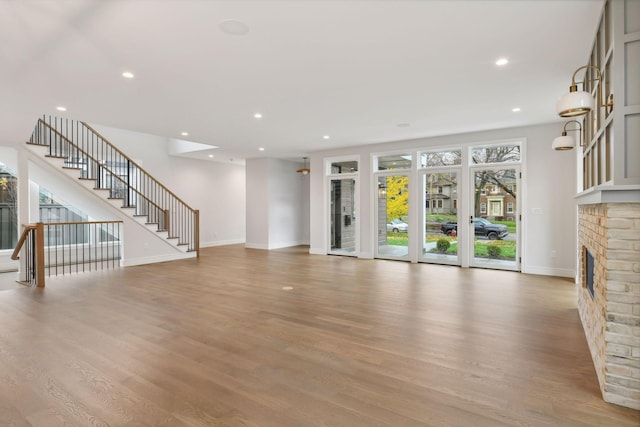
221	243
548	271
274	246
256	246
317	251
154	259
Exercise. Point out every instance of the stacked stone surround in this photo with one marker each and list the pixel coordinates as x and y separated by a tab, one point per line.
611	319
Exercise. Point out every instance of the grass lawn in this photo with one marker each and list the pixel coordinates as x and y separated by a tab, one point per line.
507	248
397	239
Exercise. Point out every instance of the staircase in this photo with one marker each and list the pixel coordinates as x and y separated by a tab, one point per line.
98	165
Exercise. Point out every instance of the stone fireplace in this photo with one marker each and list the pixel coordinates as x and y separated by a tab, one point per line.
610	232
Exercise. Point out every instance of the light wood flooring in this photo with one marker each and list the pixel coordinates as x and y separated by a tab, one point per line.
245	337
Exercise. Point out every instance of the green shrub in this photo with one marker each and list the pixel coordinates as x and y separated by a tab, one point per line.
494	251
443	245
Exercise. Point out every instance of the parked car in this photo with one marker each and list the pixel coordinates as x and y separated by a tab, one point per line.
397	225
483	228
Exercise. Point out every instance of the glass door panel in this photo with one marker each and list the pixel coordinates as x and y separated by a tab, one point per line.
495	218
392	206
440	203
343	217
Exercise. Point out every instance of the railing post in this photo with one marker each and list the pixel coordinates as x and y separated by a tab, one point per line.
166	221
197	232
127	200
39	267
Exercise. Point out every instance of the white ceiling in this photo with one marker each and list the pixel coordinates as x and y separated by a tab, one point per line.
353	70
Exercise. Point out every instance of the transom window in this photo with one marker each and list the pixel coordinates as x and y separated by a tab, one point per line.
393	162
349	166
440	158
491	154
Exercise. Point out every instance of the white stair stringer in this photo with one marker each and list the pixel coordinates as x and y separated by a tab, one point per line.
41	158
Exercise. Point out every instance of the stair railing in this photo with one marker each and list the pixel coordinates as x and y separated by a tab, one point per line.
32	263
59	248
85	149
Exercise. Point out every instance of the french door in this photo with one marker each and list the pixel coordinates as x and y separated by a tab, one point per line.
494	221
392	216
440	235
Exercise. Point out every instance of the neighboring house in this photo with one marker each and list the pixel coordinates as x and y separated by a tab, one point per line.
441	195
498	202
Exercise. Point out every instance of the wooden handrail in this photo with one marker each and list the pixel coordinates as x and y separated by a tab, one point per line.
38	268
141	189
23	237
136	165
83	222
98	163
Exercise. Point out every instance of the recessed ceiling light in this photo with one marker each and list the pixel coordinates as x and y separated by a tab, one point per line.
257	115
234	27
128	75
261	148
61	108
326	137
515	110
185	134
211	156
502	61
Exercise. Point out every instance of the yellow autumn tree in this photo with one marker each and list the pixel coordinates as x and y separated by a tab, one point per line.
397	197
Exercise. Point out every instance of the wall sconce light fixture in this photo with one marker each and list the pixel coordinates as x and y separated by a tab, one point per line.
305	170
382	191
566	142
577	103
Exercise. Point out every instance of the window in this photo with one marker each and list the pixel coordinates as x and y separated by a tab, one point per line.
391	162
455	203
8	207
433	204
503	153
344	167
441	158
440	203
510	207
338	166
483	191
483	208
439	189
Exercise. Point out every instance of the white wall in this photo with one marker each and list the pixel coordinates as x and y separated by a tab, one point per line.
257	182
216	189
549	186
286	204
277	204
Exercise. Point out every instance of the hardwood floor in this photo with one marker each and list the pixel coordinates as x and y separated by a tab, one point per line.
280	338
